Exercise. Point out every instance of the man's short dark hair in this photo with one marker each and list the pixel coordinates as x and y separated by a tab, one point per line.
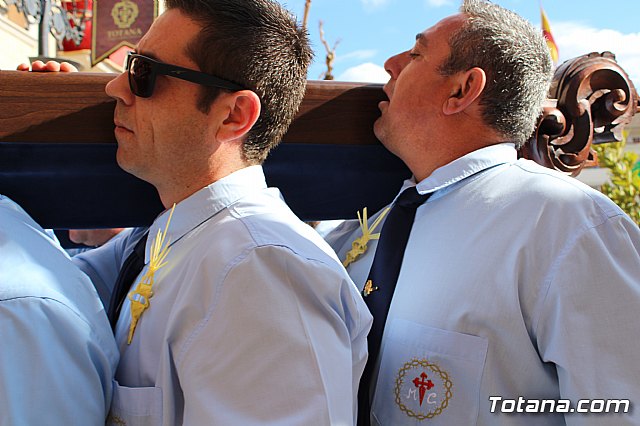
516	60
259	45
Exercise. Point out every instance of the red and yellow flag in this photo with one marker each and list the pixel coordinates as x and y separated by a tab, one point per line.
546	31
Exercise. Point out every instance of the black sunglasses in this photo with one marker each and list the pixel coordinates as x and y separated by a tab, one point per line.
143	70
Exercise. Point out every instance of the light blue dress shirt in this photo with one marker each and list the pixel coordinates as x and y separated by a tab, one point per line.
253	321
516	281
58	355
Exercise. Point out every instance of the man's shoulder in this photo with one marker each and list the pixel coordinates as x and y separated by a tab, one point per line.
534	183
14	217
50	283
35	270
265	220
39	300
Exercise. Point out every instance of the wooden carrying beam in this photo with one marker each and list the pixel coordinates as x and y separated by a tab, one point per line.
73	108
57	153
57	148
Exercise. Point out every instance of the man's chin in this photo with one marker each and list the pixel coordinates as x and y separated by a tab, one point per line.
378	129
125	163
382	135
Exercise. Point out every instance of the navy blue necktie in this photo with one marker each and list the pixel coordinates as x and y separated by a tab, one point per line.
381	282
128	273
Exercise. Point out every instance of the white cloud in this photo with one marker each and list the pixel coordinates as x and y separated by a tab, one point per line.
576	39
438	3
358	55
365	73
373	4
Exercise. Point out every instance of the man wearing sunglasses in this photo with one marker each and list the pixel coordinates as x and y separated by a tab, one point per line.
242	314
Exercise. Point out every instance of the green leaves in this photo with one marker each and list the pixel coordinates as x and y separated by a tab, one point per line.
624	174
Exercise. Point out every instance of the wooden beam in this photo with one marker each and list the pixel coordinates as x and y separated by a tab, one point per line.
73	108
57	148
55	108
57	153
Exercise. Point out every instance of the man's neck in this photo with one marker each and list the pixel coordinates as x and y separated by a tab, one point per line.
442	150
174	192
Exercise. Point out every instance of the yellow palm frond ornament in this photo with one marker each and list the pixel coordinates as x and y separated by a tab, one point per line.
141	296
359	245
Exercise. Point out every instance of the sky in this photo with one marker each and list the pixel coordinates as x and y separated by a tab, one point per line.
370	31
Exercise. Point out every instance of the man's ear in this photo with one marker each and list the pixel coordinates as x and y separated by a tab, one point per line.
467	88
242	111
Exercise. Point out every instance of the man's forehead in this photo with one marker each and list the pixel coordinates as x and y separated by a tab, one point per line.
444	27
156	45
145	45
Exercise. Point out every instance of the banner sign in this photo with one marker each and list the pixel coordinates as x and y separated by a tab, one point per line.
118	23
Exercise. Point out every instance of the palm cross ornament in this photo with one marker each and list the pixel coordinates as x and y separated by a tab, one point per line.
140	297
359	245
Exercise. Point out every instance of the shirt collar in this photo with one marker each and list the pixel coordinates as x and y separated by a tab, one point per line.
206	203
464	167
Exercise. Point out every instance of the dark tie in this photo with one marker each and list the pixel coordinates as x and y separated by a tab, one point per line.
381	283
128	273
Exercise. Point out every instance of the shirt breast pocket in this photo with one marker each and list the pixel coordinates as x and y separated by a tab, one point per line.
135	406
428	376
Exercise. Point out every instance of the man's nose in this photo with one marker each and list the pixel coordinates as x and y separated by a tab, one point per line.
118	88
395	64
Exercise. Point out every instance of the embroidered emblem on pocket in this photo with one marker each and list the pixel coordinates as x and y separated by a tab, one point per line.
113	420
423	389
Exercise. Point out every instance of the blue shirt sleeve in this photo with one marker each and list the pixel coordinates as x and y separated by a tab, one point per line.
102	264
